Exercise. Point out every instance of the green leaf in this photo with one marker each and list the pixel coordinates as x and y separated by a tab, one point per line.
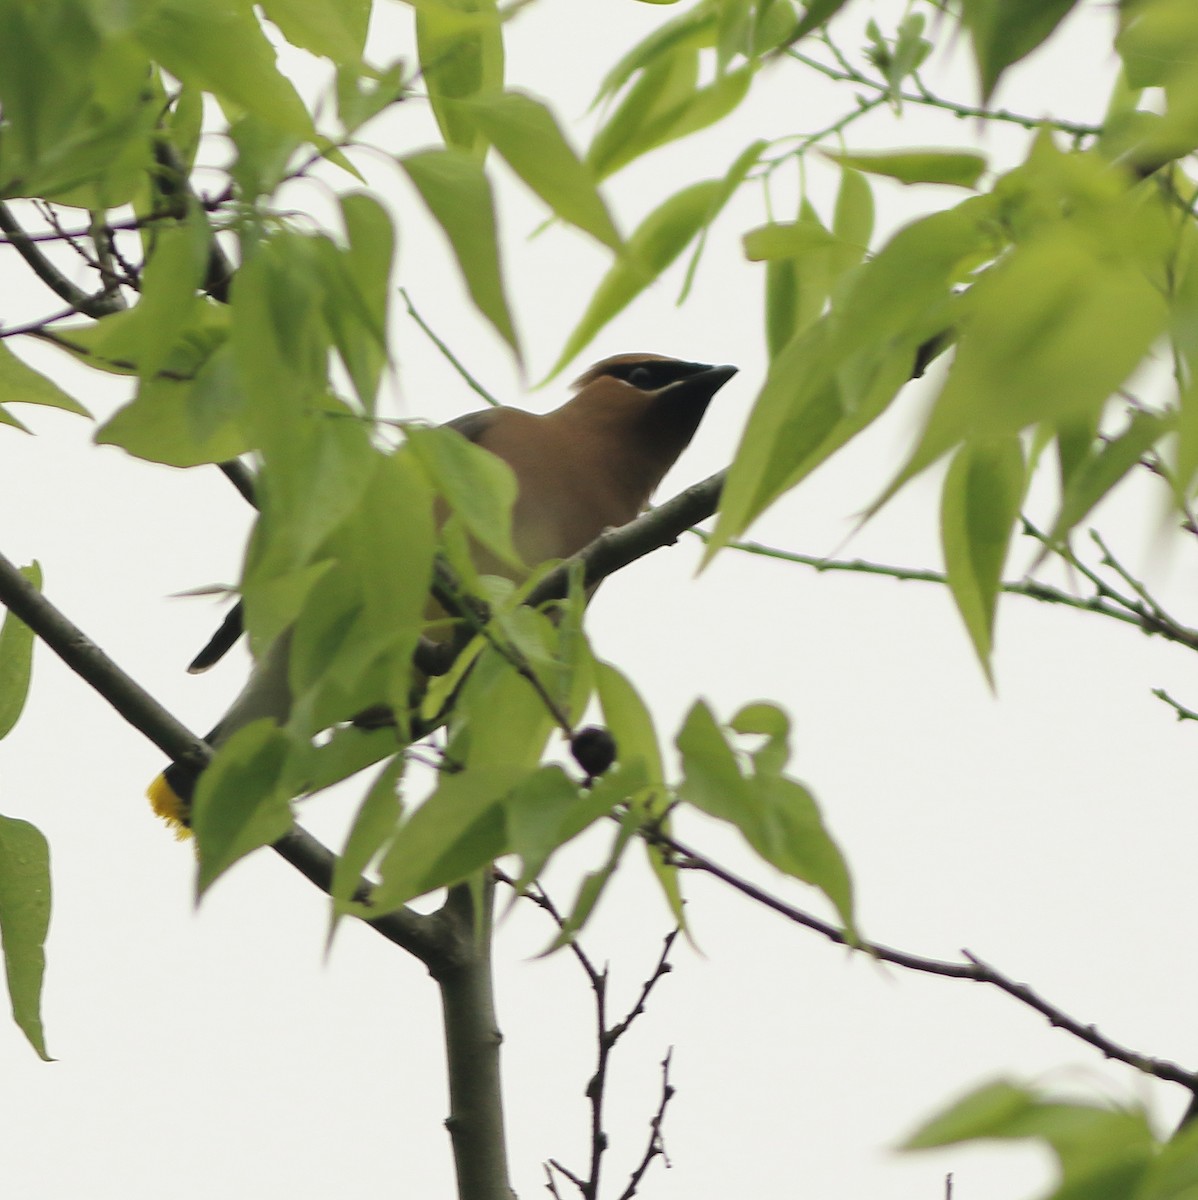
458	830
853	220
21	384
177	265
222	49
694	29
528	136
816	13
786	239
373	826
47	63
337	31
736	174
666	83
545	812
638	778
990	1111
279	335
957	168
356	633
664	105
348	750
980	505
629	722
1102	1153
1173	1174
1004	31
776	815
1049	334
475	483
184	422
594	883
838	374
461	54
658	241
358	294
242	799
1158	42
24	922
458	194
797	285
1099	472
16	659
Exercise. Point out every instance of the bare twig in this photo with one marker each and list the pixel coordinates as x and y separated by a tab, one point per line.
973	969
845	72
608	1036
1108	603
452	358
656	1147
1183	713
105	301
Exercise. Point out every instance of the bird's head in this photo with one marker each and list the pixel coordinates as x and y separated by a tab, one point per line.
665	397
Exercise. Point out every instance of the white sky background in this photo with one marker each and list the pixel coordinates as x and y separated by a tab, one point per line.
1048	829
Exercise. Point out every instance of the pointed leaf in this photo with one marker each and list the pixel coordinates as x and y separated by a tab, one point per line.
21	384
528	136
1052	331
242	799
665	85
222	49
694	29
461	54
838	374
458	194
337	31
957	168
458	830
373	826
816	13
476	484
1004	31
776	815
980	505
16	659
24	922
657	241
1101	471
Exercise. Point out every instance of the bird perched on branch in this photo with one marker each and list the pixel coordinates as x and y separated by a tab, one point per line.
590	465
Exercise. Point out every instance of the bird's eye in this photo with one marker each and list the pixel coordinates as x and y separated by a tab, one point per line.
640	377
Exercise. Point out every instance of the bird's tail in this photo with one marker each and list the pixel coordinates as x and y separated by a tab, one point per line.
168	805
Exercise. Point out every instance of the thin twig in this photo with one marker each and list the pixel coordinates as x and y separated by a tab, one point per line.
607	1039
974	969
1183	713
1109	604
104	302
454	361
656	1147
847	73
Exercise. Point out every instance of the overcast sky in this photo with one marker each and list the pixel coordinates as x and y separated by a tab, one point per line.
1048	828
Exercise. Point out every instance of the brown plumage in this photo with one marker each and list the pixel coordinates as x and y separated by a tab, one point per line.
594	462
589	465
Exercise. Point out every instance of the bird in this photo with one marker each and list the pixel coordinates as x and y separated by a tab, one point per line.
590	465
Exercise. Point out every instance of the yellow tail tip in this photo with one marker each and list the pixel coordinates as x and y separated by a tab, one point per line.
167	805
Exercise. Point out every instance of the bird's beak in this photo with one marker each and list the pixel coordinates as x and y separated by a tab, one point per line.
701	386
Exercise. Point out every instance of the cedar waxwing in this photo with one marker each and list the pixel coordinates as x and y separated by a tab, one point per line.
590	465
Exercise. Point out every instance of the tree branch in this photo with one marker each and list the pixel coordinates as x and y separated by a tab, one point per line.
616	548
417	934
107	301
973	969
